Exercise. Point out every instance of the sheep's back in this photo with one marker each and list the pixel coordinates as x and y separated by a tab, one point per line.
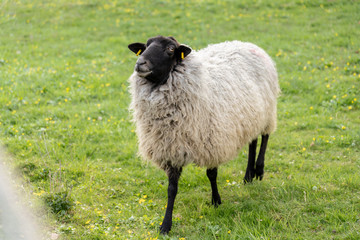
244	79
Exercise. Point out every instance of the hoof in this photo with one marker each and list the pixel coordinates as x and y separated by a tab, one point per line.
164	230
246	180
216	202
259	173
249	177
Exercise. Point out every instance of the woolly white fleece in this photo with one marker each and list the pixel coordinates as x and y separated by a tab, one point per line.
215	101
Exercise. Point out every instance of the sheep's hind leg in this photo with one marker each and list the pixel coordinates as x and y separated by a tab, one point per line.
212	175
250	170
173	175
259	171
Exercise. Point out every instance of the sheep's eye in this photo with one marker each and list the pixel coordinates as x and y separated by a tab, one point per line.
171	48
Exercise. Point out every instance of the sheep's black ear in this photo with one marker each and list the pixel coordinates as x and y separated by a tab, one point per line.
182	51
137	48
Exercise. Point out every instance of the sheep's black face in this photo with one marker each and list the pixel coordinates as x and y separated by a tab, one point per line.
158	57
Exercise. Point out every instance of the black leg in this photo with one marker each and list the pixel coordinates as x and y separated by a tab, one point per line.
173	175
259	172
212	174
250	170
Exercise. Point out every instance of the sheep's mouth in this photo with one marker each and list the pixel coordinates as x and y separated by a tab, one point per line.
144	74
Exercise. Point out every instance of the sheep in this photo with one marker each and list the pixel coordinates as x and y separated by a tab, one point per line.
201	108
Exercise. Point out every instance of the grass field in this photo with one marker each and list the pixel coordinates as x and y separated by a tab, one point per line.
64	119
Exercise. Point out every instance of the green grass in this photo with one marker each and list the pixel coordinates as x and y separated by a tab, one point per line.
63	116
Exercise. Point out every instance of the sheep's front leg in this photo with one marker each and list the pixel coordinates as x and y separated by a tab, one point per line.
259	172
212	175
173	175
250	170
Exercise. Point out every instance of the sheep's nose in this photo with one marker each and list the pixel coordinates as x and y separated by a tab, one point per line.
142	65
141	61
